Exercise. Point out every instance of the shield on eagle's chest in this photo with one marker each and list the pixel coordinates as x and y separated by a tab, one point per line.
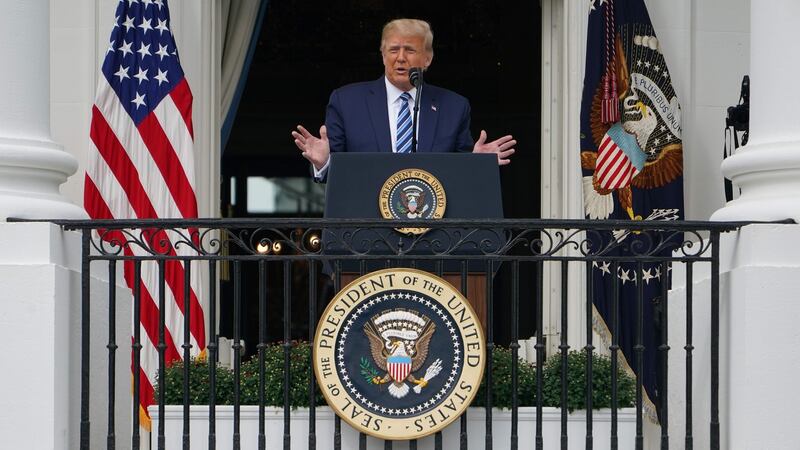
619	159
399	367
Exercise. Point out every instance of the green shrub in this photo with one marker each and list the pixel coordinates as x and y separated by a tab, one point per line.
299	368
501	381
249	379
198	384
551	382
576	382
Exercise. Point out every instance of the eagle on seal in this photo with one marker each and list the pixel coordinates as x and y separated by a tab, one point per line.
399	341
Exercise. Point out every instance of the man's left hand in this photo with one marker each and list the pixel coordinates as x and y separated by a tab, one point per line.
503	147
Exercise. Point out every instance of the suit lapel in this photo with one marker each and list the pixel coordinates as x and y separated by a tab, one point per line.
379	115
428	116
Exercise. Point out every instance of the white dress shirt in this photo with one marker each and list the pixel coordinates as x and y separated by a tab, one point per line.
393	102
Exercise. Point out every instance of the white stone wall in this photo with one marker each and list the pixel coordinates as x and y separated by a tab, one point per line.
707	47
40	327
758	334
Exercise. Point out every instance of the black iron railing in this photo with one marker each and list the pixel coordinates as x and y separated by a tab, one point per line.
360	246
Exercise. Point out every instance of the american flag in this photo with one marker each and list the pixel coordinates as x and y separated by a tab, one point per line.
141	166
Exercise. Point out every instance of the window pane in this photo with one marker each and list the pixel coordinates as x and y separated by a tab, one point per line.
290	195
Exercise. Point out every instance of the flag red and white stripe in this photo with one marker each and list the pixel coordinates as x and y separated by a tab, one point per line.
399	367
614	169
141	166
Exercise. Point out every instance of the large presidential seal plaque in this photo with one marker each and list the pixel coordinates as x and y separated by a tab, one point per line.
399	354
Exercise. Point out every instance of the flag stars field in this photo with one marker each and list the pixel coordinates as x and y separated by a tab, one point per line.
134	43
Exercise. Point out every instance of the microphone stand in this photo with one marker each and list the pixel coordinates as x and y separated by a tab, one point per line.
414	121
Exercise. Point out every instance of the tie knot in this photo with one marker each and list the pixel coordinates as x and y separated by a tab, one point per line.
405	96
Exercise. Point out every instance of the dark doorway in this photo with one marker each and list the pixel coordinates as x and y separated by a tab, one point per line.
488	51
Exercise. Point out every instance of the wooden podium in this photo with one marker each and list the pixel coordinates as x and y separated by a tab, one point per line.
471	183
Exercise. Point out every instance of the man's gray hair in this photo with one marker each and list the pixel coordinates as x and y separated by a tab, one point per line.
409	27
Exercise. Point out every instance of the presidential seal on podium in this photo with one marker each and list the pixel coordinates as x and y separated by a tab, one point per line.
412	194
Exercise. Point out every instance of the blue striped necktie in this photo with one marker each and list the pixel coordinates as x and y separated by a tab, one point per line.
404	125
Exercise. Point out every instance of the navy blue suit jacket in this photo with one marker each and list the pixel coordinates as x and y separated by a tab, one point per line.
357	119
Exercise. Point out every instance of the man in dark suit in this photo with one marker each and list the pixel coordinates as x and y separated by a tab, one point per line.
376	115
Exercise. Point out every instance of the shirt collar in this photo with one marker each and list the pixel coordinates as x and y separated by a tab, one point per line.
393	92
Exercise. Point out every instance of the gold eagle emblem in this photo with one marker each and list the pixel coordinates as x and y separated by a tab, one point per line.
399	341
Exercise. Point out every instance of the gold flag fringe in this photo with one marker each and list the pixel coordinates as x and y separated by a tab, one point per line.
600	327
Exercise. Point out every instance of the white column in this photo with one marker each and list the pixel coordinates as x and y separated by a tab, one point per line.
768	168
759	286
32	167
759	356
39	263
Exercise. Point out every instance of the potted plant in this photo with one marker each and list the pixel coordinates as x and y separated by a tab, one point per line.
324	417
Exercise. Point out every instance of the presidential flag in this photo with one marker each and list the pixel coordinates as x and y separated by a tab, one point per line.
141	166
632	161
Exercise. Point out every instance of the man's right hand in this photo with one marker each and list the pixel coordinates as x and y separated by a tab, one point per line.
315	149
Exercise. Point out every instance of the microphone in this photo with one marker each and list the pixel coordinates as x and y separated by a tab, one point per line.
415	76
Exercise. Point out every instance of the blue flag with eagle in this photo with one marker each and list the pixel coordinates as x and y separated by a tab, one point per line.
632	161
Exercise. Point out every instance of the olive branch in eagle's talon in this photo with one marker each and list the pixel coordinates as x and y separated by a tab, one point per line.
370	374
